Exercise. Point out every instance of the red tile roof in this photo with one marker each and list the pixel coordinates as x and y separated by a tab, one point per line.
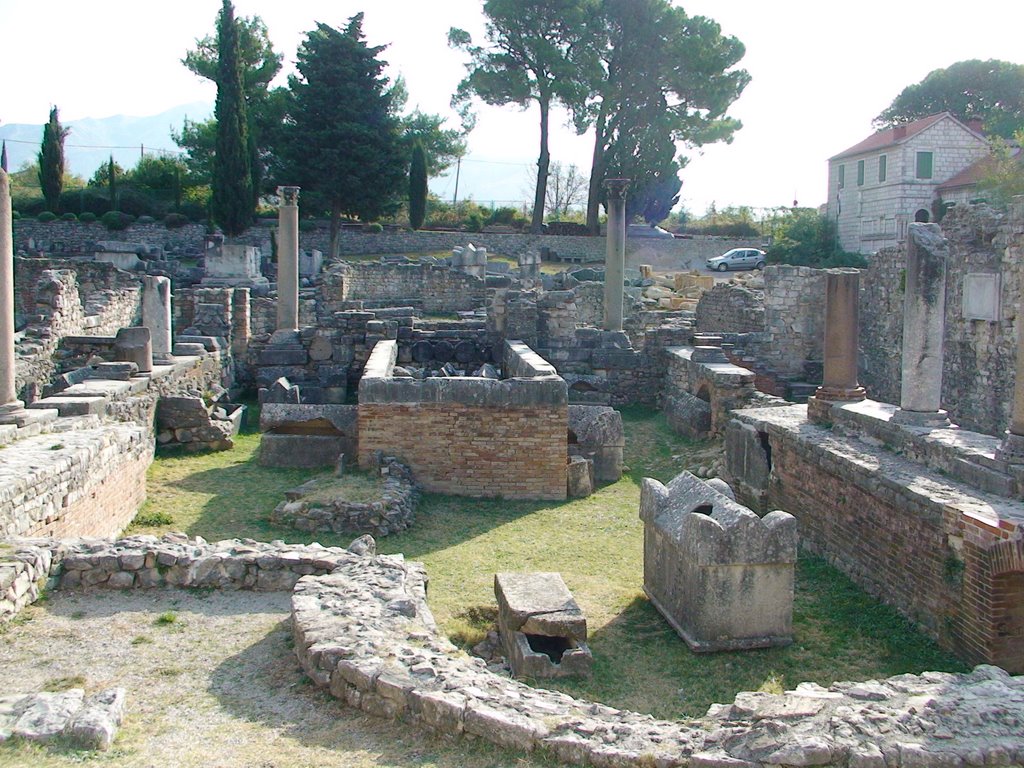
972	174
892	136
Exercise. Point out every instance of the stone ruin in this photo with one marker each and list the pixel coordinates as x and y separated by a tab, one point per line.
542	629
718	573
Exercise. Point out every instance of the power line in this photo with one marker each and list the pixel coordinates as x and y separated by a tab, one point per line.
100	146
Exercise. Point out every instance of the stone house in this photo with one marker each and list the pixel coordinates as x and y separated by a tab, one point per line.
880	185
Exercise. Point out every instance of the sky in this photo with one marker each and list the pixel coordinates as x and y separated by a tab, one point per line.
821	71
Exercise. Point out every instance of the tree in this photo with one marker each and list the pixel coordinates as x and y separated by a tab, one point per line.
538	51
51	161
199	140
259	66
1003	176
233	204
341	140
665	78
417	187
990	91
807	238
567	188
441	146
3	157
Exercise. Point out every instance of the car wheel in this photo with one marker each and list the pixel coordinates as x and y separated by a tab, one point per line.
760	265
723	268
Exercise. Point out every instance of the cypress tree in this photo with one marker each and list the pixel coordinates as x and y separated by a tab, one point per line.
417	187
112	184
51	161
232	203
3	157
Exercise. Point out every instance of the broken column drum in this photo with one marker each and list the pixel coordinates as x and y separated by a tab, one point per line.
288	259
923	323
135	345
615	253
720	575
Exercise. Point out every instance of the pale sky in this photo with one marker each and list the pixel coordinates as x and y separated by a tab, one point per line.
821	71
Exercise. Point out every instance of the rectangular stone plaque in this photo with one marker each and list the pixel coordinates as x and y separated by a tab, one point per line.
981	297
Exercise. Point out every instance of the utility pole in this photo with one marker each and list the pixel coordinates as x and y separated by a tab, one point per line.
458	169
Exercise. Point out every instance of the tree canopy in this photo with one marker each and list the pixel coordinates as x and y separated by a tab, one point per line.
805	237
990	91
233	203
537	51
51	161
341	141
665	78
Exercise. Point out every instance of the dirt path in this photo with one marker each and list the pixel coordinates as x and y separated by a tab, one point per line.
211	681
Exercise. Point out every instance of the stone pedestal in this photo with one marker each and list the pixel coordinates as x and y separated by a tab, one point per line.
288	259
135	345
230	264
156	315
842	317
615	253
923	322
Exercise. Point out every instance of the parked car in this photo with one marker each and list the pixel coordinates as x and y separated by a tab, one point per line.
737	258
642	230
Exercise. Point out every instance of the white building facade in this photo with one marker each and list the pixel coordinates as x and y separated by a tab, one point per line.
879	186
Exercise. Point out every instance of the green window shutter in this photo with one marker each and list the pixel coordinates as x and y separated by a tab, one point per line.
881	169
842	176
860	173
924	165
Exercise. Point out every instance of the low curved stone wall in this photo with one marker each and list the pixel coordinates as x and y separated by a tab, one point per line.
363	630
393	512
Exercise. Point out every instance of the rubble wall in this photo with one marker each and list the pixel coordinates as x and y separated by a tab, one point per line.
730	308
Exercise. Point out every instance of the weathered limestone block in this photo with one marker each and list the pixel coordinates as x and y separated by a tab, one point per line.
721	576
543	630
580	472
599	435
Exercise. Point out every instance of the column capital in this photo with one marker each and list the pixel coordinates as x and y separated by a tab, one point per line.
616	188
289	195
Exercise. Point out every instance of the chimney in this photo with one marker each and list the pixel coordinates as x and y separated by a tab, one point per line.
899	132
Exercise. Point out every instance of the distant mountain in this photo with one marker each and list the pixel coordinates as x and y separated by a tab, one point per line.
92	141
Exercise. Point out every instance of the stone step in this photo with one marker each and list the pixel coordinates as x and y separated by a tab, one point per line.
73	406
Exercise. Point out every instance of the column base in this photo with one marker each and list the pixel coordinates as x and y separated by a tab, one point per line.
819	406
1011	450
927	419
17	414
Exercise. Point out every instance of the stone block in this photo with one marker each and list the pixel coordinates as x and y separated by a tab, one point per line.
580	477
298	450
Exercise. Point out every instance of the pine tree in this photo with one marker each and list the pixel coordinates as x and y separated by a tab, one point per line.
51	161
342	143
417	187
232	205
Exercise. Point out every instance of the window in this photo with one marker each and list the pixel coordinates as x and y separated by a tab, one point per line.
924	165
842	176
860	173
881	169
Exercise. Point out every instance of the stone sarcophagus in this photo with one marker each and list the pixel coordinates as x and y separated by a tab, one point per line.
720	575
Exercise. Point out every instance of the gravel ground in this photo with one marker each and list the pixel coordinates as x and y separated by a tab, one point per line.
211	681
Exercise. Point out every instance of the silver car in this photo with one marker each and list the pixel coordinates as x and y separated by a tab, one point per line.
737	258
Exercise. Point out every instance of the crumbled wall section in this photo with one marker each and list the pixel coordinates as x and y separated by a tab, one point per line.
466	436
730	308
434	288
794	315
85	482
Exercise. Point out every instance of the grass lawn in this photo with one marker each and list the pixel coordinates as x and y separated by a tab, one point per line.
596	544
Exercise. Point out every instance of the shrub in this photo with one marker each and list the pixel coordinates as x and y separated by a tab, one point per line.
308	225
474	222
15	215
374	228
69	217
29	206
194	210
87	217
809	239
566	228
46	216
144	219
116	220
84	200
175	220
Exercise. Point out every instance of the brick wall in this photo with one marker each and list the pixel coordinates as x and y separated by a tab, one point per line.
466	451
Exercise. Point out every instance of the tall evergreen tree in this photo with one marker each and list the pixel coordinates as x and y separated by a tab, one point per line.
232	204
112	184
417	187
341	143
51	161
3	156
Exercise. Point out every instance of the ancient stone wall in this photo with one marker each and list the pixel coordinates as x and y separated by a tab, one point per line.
698	397
434	289
81	237
794	316
467	436
730	308
979	355
85	482
61	298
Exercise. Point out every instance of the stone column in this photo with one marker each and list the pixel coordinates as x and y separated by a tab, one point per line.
288	260
11	408
924	308
156	315
615	253
842	323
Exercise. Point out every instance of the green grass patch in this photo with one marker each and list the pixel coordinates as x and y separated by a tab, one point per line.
596	543
356	487
170	617
58	684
